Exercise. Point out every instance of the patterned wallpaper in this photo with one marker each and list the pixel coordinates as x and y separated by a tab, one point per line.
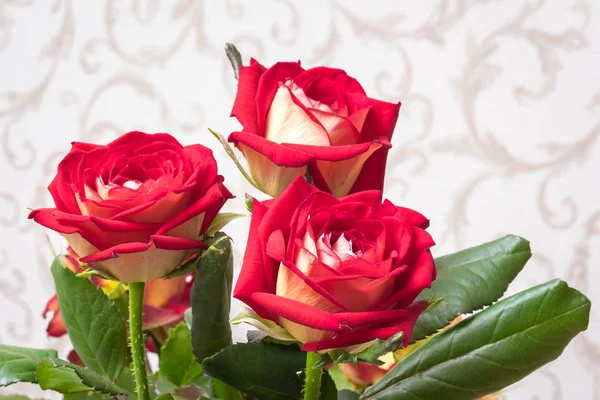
499	129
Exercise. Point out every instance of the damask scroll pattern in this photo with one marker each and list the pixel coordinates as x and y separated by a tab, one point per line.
469	73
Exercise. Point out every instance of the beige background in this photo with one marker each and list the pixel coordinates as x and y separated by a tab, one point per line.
499	130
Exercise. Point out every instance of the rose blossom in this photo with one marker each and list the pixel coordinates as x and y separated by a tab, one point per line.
321	117
336	272
134	209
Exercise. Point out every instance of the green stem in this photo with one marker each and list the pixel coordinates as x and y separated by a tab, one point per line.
312	386
136	308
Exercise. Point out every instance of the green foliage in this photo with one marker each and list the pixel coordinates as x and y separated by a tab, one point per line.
19	364
371	354
177	361
59	378
95	325
211	298
471	279
491	350
265	371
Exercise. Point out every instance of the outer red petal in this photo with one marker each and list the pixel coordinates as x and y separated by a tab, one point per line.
343	83
136	139
61	186
244	106
210	204
297	312
380	329
69	223
380	123
267	87
161	242
282	155
412	282
335	153
56	326
258	273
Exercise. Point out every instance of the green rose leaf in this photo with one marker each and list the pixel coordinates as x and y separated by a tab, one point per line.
177	361
95	325
225	392
347	395
58	378
470	280
264	371
19	364
95	380
491	350
211	298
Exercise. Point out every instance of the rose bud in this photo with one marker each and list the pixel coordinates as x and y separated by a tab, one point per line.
336	272
134	209
320	117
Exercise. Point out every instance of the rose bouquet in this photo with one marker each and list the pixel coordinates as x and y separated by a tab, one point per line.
344	297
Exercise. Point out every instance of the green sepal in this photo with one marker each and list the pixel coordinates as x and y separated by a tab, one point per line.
231	155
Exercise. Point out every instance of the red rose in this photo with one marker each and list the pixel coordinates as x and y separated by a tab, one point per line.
320	117
336	272
134	208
